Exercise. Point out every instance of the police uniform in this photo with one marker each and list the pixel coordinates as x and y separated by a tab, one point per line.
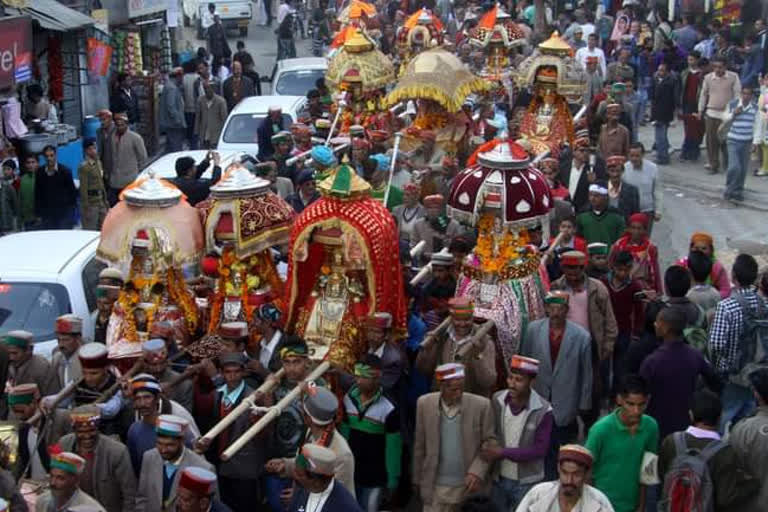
93	197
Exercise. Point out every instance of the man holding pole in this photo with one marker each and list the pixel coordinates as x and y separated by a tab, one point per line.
238	476
461	342
319	410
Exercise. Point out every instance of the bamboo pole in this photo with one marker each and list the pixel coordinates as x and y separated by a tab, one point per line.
273	412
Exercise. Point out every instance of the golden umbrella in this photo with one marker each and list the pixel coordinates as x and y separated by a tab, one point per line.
356	10
439	76
360	61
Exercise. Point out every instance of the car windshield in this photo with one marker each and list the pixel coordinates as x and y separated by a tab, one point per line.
297	83
242	128
33	307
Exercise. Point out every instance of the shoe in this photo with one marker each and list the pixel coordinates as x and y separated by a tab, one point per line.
707	166
761	173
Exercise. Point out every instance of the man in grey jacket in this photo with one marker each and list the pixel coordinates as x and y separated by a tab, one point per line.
565	371
130	154
170	111
162	466
109	476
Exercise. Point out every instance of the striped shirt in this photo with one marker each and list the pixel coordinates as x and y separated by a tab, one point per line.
727	329
743	124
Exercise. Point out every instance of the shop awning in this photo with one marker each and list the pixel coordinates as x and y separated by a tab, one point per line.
52	15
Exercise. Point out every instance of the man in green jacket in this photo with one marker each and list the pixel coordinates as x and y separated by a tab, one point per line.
601	223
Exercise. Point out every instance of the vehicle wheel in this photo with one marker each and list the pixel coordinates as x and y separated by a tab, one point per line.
243	31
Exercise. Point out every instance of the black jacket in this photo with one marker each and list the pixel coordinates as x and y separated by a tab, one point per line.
55	195
580	199
197	189
629	201
123	102
338	500
664	93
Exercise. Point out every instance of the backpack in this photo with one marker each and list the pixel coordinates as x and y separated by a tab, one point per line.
753	344
688	486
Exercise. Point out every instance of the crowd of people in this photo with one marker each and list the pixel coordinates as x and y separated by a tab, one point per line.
643	388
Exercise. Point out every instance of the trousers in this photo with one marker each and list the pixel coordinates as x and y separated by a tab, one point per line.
738	164
714	145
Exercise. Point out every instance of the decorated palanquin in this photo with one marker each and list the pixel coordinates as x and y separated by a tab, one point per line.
242	220
496	33
502	195
439	83
343	266
357	13
362	72
556	79
155	237
421	31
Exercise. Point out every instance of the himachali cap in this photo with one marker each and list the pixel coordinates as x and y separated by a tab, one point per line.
153	345
356	129
85	415
69	462
232	358
618	87
145	382
449	371
639	218
557	297
599	188
111	273
575	258
613	107
233	330
141	239
323	124
461	307
380	320
108	291
18	338
300	129
93	355
162	330
317	459
434	201
597	248
69	324
198	480
526	365
281	136
369	367
294	350
84	508
442	259
170	425
23	394
575	453
320	404
615	160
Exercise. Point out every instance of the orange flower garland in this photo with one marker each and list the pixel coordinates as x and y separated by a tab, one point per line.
509	248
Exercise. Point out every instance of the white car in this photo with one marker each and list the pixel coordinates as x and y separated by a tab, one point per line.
46	274
241	127
295	77
165	166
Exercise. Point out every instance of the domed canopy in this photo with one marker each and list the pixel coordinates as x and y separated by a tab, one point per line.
499	178
360	58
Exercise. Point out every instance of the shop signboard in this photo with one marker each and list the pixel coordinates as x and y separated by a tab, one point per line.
137	8
15	50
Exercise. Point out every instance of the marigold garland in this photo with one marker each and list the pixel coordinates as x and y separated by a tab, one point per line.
511	247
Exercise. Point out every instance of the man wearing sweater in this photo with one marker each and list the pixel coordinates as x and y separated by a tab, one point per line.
742	113
644	175
720	87
130	155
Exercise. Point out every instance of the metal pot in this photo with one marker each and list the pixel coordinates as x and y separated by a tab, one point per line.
62	136
35	142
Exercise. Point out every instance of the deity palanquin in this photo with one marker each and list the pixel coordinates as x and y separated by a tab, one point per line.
343	266
156	234
501	195
555	79
242	220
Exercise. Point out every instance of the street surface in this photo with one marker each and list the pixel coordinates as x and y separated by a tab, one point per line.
691	196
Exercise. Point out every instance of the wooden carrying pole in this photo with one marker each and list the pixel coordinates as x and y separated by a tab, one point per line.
272	413
56	399
245	405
